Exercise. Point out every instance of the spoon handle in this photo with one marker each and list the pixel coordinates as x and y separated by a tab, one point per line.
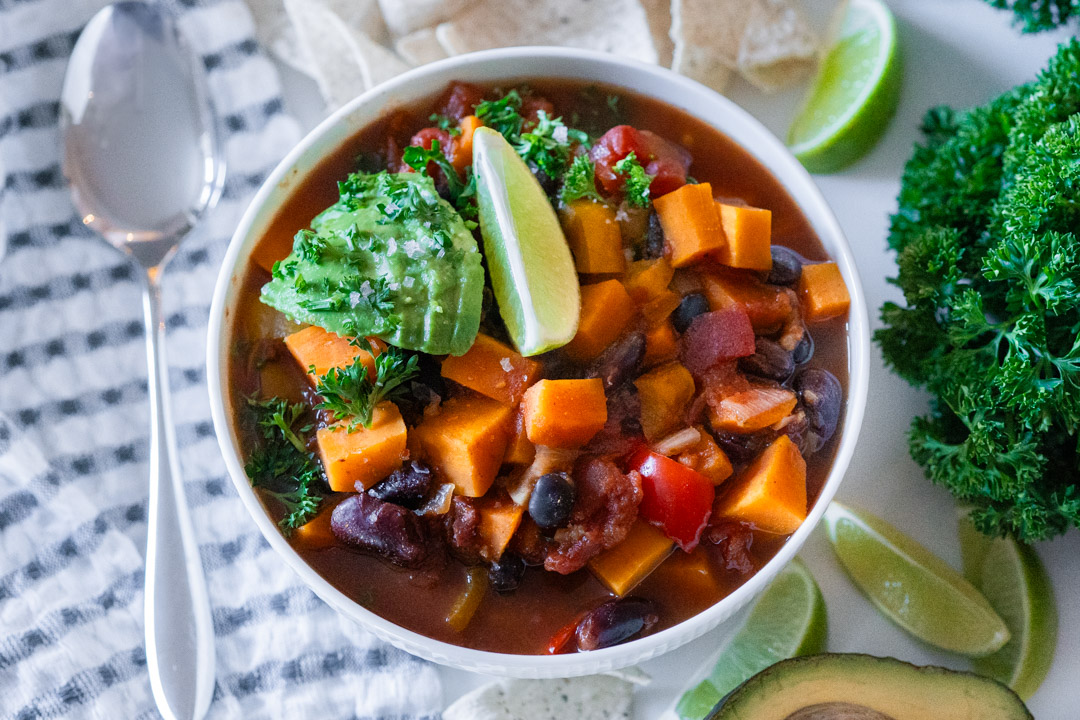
179	633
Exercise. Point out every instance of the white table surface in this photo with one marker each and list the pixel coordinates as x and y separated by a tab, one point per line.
956	52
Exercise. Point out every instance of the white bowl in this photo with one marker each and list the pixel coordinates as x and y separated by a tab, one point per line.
505	66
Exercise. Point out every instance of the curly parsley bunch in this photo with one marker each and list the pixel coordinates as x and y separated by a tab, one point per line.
989	264
1038	15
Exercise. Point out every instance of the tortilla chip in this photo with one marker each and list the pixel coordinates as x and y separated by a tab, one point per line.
707	36
420	47
615	26
597	697
658	15
406	16
778	47
344	62
276	31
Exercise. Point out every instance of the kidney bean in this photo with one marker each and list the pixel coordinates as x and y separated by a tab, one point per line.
821	397
505	574
654	238
804	350
619	362
552	500
786	266
692	305
381	528
768	361
407	486
616	621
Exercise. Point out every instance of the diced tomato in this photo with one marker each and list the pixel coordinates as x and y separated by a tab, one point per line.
460	100
531	105
715	337
613	146
664	160
668	163
676	499
560	641
424	139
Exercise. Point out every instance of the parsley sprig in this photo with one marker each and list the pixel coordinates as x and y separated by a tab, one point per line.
637	181
461	192
580	181
350	394
281	466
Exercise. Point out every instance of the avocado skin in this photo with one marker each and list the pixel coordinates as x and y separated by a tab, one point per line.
895	689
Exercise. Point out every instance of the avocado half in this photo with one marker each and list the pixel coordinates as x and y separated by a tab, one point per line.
839	686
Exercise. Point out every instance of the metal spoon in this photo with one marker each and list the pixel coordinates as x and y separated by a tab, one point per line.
145	163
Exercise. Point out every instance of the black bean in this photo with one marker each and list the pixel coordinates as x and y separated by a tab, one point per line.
407	486
616	621
506	573
692	305
804	350
768	361
821	396
742	447
548	183
619	362
384	529
654	238
552	500
786	266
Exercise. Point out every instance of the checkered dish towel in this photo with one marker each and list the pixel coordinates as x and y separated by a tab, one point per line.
74	424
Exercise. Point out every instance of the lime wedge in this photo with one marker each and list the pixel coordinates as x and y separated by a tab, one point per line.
532	271
855	92
789	619
1013	579
912	586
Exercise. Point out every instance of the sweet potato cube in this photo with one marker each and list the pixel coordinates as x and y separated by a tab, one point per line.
771	493
594	237
564	413
707	458
647	279
365	456
752	410
690	572
691	223
274	246
628	563
665	393
499	520
661	344
465	442
461	146
492	369
606	310
520	451
316	347
767	306
315	534
823	292
660	307
748	231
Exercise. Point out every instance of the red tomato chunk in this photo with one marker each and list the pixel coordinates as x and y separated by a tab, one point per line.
675	498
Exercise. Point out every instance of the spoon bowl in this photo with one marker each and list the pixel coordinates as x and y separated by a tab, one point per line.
140	146
144	162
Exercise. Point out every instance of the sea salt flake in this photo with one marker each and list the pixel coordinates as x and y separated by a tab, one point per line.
366	288
408	281
560	134
506	365
412	248
391	246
